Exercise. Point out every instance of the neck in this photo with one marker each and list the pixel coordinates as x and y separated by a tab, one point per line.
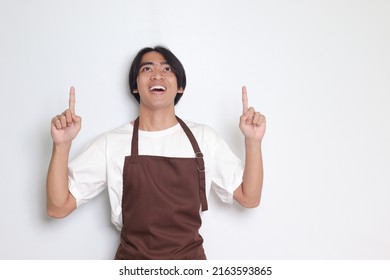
156	120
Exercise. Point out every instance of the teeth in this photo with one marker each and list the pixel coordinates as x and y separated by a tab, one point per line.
158	88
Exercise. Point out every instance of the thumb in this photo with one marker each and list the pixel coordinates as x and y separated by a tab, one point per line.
76	118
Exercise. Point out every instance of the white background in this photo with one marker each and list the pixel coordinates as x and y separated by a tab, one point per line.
319	70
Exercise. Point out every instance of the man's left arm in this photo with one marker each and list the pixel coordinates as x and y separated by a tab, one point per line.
252	125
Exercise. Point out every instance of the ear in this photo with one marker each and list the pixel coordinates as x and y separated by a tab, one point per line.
135	91
180	90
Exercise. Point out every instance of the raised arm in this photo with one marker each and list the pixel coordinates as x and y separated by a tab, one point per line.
64	128
252	125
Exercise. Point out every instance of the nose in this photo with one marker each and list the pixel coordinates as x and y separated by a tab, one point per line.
157	75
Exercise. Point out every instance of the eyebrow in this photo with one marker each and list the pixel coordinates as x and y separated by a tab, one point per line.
151	63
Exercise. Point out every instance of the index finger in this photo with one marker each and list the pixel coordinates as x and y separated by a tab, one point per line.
244	100
72	100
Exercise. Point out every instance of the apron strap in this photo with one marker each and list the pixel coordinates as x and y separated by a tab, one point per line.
134	142
200	163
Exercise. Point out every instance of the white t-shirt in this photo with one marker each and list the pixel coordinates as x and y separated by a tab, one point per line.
100	165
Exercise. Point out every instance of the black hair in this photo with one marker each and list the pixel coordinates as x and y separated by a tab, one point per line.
170	58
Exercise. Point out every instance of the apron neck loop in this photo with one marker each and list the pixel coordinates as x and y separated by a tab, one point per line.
198	157
134	142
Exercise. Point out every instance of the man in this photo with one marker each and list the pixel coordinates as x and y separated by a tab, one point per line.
158	168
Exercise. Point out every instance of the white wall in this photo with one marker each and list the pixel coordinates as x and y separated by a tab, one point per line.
319	71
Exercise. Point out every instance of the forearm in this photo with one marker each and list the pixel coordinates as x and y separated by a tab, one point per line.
253	173
58	196
249	193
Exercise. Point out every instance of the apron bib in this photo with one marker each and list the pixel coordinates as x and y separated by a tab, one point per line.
161	203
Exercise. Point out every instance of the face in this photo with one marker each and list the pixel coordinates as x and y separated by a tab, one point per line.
156	82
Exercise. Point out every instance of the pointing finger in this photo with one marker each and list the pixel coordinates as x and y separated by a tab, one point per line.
72	100
244	100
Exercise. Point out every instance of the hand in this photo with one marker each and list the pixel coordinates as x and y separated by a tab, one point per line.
65	127
252	123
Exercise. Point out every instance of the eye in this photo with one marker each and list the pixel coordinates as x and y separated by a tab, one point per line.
146	69
167	69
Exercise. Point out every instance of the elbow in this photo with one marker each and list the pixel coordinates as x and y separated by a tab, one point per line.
54	214
251	204
57	212
60	209
247	200
254	204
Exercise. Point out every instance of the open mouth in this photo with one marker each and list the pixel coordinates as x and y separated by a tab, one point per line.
158	89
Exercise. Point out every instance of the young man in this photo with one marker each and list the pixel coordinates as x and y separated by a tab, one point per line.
158	168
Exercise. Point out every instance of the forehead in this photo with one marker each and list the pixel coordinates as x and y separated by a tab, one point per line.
154	57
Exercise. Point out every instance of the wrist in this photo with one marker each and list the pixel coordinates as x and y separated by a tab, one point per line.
62	147
250	142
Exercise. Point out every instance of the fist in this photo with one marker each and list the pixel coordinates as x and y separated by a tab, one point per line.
252	123
66	126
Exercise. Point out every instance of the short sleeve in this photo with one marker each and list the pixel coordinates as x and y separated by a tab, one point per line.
227	170
87	172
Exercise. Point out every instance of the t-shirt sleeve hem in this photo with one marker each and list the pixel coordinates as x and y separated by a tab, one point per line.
84	198
226	195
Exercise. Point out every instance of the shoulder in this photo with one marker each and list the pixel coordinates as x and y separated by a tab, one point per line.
124	129
201	129
206	136
121	131
108	138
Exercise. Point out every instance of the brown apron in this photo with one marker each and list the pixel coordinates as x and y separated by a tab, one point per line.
161	204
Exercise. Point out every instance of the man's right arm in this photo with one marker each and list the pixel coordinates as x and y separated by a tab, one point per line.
60	202
64	128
